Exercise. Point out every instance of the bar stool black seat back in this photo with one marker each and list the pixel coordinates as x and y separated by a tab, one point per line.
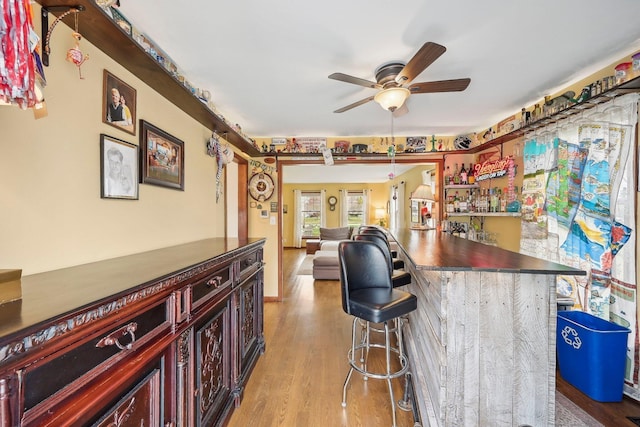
368	294
398	277
379	232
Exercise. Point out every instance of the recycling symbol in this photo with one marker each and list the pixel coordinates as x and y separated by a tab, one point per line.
571	337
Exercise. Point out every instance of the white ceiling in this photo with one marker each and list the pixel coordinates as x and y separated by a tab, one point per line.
266	62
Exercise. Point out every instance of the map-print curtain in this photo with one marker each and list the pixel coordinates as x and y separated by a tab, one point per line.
579	209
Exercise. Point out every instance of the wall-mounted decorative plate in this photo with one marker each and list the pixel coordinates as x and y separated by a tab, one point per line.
261	186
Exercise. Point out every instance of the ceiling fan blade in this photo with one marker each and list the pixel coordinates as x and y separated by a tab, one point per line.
354	105
355	80
455	85
428	53
401	111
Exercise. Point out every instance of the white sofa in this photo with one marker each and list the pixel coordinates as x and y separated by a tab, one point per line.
326	265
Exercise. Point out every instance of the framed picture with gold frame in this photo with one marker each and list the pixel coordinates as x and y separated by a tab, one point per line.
118	103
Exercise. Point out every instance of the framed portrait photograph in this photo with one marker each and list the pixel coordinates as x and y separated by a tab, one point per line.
162	157
118	169
118	103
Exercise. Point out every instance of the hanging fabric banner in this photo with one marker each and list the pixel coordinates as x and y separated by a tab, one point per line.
579	208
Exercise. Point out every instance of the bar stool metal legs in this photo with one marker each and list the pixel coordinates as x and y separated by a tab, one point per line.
361	366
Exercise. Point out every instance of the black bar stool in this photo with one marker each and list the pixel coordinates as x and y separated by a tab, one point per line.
398	276
368	294
379	232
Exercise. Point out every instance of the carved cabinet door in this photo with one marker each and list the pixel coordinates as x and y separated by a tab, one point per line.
250	318
141	406
213	367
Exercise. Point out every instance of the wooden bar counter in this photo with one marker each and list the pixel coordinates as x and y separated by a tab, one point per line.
482	341
165	337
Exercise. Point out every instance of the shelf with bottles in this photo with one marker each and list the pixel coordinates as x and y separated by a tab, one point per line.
476	201
461	186
459	178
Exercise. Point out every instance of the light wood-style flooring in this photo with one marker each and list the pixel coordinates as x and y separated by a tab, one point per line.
298	381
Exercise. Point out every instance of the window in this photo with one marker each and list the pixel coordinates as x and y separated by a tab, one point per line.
310	201
356	202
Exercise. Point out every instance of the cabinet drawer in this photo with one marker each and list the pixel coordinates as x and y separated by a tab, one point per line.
211	285
102	349
249	264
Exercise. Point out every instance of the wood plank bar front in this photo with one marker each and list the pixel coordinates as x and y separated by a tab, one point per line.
481	344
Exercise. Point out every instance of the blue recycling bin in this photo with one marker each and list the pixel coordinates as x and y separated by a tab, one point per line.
592	354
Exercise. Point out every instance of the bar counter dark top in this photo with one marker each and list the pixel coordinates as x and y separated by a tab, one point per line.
53	294
434	250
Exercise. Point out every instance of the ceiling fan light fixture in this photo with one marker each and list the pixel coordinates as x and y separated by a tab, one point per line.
392	98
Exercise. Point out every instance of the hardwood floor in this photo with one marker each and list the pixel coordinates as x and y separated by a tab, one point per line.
612	414
298	381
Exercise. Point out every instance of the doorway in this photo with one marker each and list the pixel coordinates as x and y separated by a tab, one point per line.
344	172
236	206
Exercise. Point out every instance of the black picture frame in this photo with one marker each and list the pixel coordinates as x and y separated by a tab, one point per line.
161	158
118	169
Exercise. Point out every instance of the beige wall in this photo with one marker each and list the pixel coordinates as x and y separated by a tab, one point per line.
268	228
51	213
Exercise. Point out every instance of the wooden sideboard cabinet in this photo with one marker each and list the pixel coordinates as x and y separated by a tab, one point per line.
162	338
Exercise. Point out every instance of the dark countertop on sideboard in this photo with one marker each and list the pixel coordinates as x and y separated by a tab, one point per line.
433	250
53	294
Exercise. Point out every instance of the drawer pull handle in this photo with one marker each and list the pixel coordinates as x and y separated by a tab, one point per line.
215	281
112	338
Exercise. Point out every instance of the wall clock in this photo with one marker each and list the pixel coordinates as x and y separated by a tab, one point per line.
261	186
332	203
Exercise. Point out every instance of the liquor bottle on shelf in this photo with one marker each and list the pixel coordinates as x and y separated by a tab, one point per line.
471	176
482	201
471	234
456	175
487	193
455	230
463	204
448	178
472	201
463	176
456	202
493	200
463	230
450	205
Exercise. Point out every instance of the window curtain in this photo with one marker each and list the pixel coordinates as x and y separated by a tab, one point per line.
323	208
365	206
344	208
578	206
297	218
401	204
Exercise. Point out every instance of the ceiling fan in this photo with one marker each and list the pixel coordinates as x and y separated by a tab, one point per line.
393	78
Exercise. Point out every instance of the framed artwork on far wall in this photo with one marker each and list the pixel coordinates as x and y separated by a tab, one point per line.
118	169
118	103
162	157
